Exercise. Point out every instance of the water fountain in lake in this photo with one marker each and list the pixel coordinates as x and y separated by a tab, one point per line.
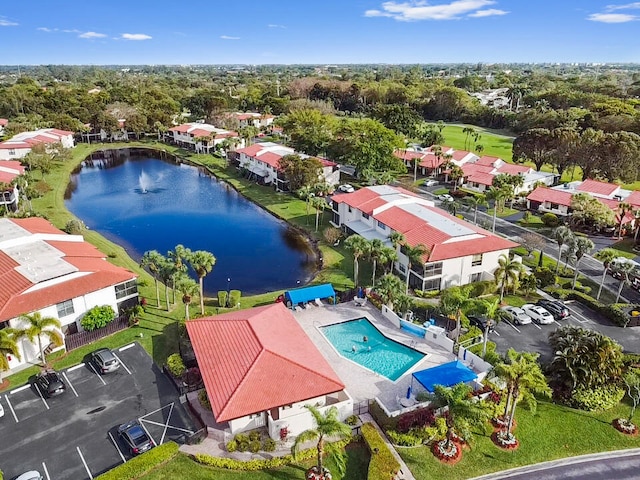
145	182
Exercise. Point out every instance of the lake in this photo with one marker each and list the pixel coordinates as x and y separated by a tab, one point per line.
147	200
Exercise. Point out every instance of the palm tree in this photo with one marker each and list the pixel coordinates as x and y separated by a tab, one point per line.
166	273
359	246
583	247
463	413
414	256
375	253
152	260
202	262
188	287
456	174
475	201
327	425
497	195
390	288
523	376
178	257
623	209
507	274
388	256
319	204
623	269
8	346
606	256
306	193
38	326
415	161
467	131
561	235
396	239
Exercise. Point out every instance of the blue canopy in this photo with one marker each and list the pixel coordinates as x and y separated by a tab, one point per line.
306	294
447	374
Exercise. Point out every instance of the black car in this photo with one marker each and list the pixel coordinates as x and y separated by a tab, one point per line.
483	323
105	361
50	383
135	437
555	308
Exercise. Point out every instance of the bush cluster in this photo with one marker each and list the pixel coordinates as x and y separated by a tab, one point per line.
550	220
252	442
599	398
97	317
203	398
234	297
545	277
176	365
424	417
222	298
383	464
140	465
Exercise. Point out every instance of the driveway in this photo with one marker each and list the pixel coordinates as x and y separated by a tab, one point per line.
73	436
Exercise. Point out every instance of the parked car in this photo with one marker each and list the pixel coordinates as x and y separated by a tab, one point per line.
516	315
135	437
32	475
483	323
50	383
445	197
1	411
555	308
538	314
346	188
105	361
430	182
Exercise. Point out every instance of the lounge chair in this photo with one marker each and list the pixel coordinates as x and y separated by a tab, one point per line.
318	302
359	301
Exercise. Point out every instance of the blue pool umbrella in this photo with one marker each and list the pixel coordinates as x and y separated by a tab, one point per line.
409	392
447	374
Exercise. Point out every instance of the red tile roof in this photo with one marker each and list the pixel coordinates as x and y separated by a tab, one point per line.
513	169
431	161
487	160
598	188
545	194
459	154
14	145
180	128
257	359
633	199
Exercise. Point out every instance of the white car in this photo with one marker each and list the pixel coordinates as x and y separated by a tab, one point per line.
1	410
430	182
538	314
32	475
445	197
346	188
516	315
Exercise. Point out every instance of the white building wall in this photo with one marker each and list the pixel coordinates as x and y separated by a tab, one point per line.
13	154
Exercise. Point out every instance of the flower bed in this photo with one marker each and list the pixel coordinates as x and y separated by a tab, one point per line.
313	474
505	440
450	455
500	423
625	426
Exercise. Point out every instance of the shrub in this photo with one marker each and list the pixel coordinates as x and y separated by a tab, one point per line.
140	465
550	220
254	446
176	365
203	398
232	446
222	298
545	277
97	317
404	439
234	297
383	464
351	420
486	287
269	445
74	227
599	398
422	417
254	435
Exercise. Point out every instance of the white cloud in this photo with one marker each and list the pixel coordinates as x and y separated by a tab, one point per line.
227	37
91	35
7	23
421	10
46	29
135	36
628	6
612	17
71	31
488	13
274	25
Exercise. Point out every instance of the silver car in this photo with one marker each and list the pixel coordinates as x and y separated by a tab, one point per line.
32	475
538	314
516	315
105	361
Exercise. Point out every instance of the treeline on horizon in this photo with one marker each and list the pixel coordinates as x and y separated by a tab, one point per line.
550	108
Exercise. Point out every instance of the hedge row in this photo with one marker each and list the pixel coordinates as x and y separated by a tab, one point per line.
383	464
613	312
142	464
260	464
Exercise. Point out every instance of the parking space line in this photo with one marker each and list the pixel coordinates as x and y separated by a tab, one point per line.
85	463
115	444
11	408
122	363
20	389
167	425
145	429
46	472
536	325
557	323
511	325
496	333
76	367
41	396
70	384
126	347
96	372
164	432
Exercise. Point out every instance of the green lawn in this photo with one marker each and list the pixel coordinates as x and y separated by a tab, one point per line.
535	221
552	432
505	212
495	144
182	466
625	248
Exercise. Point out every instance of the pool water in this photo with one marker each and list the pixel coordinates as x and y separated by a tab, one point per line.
379	353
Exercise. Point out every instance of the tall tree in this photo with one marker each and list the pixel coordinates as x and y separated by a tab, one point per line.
584	246
188	287
152	261
391	289
561	235
202	263
8	346
623	209
359	246
178	257
327	425
414	256
375	253
37	327
300	171
396	239
623	269
476	201
507	274
319	204
498	195
533	145
606	256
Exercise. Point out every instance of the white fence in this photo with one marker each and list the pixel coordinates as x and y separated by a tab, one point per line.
474	361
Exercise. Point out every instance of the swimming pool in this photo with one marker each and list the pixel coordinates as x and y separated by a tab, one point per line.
379	353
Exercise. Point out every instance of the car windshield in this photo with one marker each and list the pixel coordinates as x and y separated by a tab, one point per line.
137	435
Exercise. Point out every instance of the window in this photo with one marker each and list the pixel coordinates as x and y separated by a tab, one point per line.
382	225
432	269
475	277
364	215
12	151
401	267
349	208
476	260
126	289
287	407
554	206
433	284
65	308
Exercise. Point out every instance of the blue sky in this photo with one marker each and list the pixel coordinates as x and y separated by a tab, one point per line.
317	31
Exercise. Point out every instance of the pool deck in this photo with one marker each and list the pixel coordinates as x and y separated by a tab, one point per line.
361	383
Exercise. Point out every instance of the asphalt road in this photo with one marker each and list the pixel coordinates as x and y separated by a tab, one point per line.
74	436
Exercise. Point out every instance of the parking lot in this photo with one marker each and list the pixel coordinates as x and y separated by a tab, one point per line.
535	338
74	435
